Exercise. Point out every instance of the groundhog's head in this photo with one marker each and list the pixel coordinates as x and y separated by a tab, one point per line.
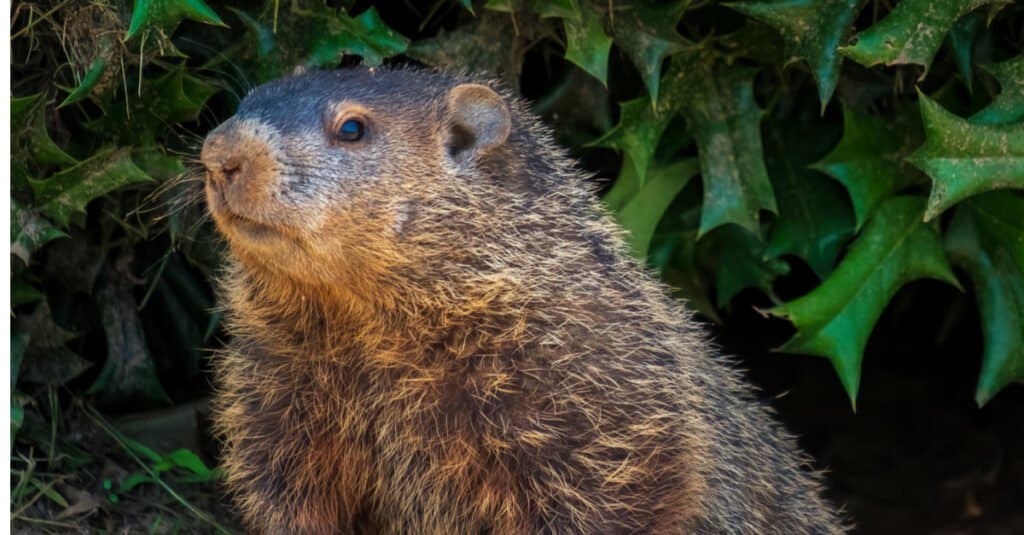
323	170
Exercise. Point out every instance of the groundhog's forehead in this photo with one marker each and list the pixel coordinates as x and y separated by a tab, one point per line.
298	102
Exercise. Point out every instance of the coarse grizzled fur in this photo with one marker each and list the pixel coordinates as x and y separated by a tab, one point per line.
437	328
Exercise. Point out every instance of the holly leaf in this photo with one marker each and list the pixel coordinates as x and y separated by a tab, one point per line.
979	242
718	104
911	34
836	318
647	35
637	134
586	43
962	37
867	161
29	231
675	256
811	31
366	35
89	81
173	97
165	15
986	239
29	135
640	211
70	190
128	371
23	293
1008	106
739	260
965	159
815	218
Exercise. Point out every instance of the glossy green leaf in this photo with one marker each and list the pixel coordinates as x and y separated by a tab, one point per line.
962	38
836	318
173	97
165	15
965	159
69	191
812	31
365	35
186	459
866	161
815	217
911	33
986	238
1008	106
637	134
718	104
23	292
29	231
647	35
587	44
740	260
88	82
29	138
640	212
128	371
674	254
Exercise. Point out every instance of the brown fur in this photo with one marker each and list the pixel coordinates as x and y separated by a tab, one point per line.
430	342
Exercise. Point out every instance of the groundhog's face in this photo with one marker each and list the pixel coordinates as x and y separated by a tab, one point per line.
322	171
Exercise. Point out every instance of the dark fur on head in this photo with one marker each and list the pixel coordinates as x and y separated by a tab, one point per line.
438	329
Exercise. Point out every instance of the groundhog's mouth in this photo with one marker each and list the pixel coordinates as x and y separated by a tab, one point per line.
252	229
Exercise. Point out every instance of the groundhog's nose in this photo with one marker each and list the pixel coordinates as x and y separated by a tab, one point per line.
221	156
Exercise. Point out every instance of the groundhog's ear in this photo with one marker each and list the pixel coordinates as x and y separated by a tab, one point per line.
478	120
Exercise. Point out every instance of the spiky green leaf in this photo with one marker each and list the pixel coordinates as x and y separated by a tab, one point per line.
836	318
70	190
812	31
637	134
89	81
866	161
366	35
986	238
962	38
647	35
965	159
1008	106
29	138
587	45
911	34
815	218
718	104
165	15
740	260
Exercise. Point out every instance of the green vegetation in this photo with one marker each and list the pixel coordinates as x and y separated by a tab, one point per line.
865	144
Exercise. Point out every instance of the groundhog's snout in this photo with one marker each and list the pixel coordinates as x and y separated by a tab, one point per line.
241	168
223	157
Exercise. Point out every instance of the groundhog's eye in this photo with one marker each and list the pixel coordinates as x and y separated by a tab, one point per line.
351	130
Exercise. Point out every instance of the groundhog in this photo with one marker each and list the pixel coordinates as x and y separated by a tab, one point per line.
437	328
